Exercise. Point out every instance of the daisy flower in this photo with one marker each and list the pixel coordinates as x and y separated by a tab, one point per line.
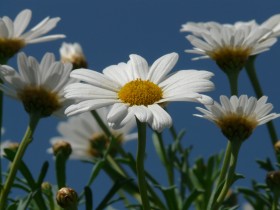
39	86
229	45
238	117
135	89
86	138
13	37
73	53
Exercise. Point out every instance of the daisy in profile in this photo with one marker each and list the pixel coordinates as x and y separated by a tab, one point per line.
87	139
238	117
38	85
73	53
134	89
229	45
13	36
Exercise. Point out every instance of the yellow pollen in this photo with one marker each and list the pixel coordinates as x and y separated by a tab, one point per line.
9	47
231	57
99	142
140	92
236	126
39	100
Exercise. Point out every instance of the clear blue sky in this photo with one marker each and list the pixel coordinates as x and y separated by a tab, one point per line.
110	30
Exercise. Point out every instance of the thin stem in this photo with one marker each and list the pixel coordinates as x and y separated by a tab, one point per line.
222	175
140	164
233	81
235	146
251	71
168	167
225	164
34	119
275	201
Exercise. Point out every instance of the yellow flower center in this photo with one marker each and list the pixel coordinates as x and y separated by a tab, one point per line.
9	47
39	100
237	127
229	57
140	92
99	142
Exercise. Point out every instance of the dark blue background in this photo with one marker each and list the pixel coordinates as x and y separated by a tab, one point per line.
110	30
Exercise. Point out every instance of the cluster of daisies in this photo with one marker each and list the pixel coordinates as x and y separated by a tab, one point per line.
132	89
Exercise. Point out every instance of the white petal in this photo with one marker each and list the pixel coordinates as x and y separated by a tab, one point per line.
161	67
139	67
161	119
21	22
117	113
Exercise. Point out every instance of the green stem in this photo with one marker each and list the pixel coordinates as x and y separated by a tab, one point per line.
34	119
233	81
60	166
140	164
251	71
225	164
222	175
235	146
275	201
168	167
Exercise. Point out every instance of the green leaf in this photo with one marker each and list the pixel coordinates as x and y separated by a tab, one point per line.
171	197
88	197
114	189
43	173
192	197
161	154
266	165
23	204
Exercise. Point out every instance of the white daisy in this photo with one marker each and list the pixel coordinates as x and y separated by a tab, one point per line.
73	53
13	37
273	24
85	136
38	85
238	117
135	89
229	45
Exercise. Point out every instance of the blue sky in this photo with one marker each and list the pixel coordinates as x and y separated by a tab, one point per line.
110	30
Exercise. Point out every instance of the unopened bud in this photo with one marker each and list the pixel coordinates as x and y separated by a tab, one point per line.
277	146
67	198
273	180
46	187
62	147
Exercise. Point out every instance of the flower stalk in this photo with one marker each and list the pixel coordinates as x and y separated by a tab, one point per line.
140	164
27	139
251	72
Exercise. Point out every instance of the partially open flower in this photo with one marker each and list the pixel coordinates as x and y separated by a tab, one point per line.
13	38
87	139
238	117
73	53
39	86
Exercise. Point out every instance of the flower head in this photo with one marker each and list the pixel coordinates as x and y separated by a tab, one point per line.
67	198
229	45
39	86
73	53
238	117
13	37
87	139
134	89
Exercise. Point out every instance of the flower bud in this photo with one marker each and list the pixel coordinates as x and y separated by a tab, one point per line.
273	181
67	198
62	147
277	146
46	188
